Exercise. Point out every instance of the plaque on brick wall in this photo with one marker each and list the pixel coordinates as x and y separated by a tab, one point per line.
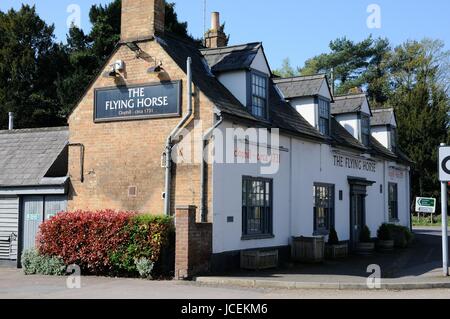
148	101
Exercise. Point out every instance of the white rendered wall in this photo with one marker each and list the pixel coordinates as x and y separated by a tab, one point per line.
381	134
351	123
307	109
302	164
236	83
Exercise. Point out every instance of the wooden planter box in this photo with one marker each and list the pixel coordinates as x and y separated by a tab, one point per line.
259	259
386	245
336	251
365	248
308	249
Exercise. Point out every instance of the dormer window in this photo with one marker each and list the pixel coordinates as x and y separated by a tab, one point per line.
259	94
365	129
324	116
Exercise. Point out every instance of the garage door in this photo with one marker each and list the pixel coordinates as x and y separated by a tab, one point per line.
37	209
9	227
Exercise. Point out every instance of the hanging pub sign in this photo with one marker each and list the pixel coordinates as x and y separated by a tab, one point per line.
126	103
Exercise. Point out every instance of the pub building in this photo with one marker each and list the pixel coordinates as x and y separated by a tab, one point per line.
337	161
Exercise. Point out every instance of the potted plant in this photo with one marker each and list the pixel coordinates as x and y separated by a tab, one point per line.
335	249
365	246
385	238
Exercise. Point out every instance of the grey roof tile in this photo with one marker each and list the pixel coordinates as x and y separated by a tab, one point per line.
382	116
302	86
347	103
26	155
231	58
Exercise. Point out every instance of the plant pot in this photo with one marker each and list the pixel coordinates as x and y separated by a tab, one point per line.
308	249
365	248
386	245
336	251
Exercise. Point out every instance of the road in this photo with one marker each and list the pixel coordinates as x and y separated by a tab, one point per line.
15	285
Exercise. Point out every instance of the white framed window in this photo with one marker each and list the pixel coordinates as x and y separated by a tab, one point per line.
259	101
323	207
324	116
365	129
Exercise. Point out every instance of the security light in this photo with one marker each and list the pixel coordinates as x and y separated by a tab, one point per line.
155	69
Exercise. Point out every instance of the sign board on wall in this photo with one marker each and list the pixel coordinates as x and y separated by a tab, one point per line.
425	205
125	103
355	163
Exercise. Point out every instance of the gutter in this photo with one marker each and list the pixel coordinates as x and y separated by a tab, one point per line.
205	140
169	142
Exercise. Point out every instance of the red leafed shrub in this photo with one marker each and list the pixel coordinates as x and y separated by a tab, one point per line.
85	238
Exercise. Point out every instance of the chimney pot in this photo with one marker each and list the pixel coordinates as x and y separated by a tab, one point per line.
215	37
215	21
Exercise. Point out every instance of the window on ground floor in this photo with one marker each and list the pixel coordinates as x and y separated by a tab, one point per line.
256	207
323	208
393	201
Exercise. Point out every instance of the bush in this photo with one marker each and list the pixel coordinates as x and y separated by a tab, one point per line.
333	239
35	264
104	242
401	235
365	236
147	236
384	233
84	238
144	267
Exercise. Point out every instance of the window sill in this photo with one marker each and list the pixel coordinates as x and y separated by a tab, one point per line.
321	233
394	220
257	237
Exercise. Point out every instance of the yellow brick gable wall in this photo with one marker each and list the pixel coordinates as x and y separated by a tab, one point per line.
123	154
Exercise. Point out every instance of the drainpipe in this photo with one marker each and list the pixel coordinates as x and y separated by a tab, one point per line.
169	142
205	140
11	121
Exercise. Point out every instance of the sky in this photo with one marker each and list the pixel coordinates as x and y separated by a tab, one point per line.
298	29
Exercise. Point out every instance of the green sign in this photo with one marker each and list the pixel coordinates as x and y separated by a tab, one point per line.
425	205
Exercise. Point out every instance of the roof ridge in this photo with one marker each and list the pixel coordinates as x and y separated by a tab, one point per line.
219	50
350	96
300	78
35	130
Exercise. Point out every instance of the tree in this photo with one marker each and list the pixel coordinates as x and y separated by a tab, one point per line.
422	105
286	70
30	61
88	53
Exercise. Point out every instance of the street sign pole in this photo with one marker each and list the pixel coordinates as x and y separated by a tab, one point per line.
444	204
444	229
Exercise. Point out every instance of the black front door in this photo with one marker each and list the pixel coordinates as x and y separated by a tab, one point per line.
357	212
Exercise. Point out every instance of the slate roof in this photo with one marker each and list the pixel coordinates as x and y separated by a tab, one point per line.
300	86
381	117
347	104
282	115
342	137
27	155
231	58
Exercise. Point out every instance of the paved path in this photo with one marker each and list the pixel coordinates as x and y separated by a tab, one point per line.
415	267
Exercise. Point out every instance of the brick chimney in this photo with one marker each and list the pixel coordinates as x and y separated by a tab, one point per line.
142	19
215	37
